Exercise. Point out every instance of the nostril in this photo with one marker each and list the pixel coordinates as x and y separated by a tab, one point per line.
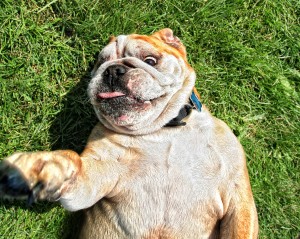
120	70
106	72
4	179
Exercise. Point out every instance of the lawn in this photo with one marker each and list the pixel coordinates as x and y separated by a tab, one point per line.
245	53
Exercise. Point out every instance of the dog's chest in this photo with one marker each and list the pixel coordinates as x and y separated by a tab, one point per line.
170	180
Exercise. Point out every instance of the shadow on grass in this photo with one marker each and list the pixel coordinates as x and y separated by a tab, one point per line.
73	124
72	225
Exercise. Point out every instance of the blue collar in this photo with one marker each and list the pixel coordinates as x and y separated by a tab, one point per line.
194	103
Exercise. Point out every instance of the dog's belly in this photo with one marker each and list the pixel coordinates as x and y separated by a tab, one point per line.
152	218
165	198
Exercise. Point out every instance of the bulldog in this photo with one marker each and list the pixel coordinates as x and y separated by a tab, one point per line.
157	165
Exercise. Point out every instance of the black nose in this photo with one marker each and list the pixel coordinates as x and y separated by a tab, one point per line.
113	73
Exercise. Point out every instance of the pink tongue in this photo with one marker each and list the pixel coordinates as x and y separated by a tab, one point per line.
108	95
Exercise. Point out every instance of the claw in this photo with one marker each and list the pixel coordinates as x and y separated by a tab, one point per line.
33	194
31	199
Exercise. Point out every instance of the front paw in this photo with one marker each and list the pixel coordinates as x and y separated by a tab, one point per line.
41	175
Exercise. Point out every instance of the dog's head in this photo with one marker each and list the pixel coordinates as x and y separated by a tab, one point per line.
140	83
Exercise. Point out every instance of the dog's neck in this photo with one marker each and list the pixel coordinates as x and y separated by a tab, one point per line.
194	103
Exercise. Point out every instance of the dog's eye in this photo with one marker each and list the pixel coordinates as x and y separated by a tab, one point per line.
150	60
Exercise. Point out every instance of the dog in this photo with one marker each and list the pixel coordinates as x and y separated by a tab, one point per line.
157	165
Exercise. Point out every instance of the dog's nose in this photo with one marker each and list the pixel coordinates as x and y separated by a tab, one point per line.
113	73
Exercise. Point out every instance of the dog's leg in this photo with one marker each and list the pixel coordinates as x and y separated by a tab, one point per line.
240	221
57	175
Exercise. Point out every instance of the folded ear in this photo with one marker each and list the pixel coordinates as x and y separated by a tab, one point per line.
167	36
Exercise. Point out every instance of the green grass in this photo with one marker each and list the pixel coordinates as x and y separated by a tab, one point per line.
245	53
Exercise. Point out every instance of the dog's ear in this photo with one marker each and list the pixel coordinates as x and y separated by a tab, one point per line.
168	37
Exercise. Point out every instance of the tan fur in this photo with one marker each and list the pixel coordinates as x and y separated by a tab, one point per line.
153	182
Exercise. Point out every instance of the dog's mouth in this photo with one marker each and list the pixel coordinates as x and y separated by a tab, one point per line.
124	108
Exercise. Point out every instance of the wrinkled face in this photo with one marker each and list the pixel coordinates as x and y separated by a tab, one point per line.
140	82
